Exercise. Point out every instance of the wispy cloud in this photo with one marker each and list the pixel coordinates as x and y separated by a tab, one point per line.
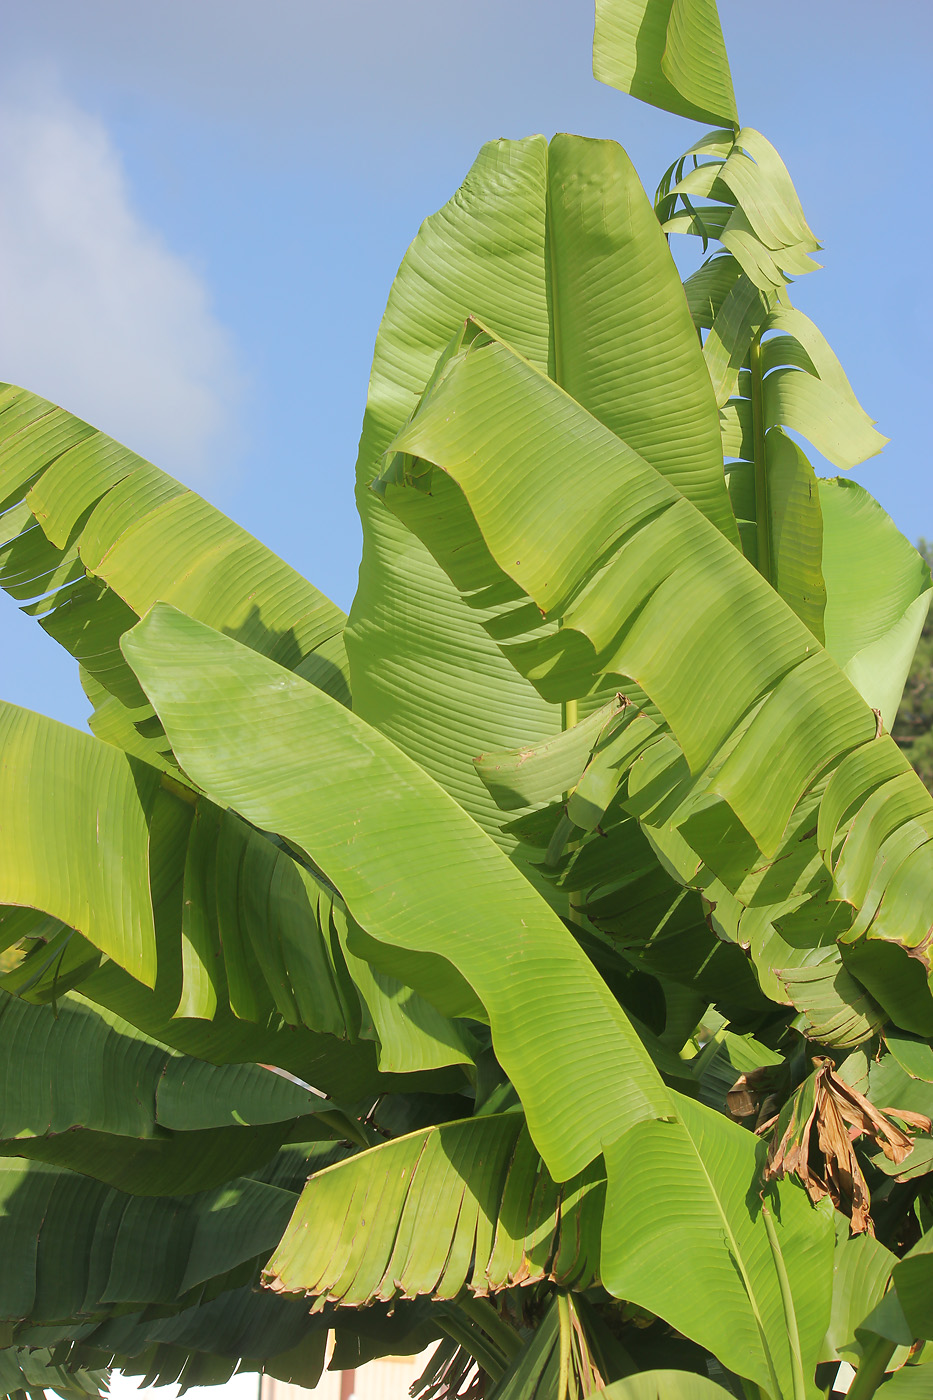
96	312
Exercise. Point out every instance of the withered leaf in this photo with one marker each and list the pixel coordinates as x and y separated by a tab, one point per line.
744	1098
815	1135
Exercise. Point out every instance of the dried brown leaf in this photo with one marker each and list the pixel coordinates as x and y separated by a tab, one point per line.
817	1145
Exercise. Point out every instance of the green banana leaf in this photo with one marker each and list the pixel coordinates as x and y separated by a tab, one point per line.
204	1345
643	586
557	554
86	1090
667	52
680	1191
497	1220
582	282
266	743
205	688
76	816
629	882
620	878
93	534
777	499
914	1382
76	1248
535	773
248	1329
781	521
226	929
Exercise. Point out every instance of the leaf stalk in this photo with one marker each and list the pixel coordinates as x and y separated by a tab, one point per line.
484	1315
871	1369
762	502
484	1353
787	1300
566	1338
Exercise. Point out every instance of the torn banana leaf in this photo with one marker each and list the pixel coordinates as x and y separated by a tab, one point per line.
497	1219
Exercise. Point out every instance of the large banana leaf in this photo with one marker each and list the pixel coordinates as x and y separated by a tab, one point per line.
219	942
614	560
680	1192
643	586
251	1329
76	1248
422	667
496	1219
904	1314
83	1089
209	693
667	52
92	534
269	744
557	248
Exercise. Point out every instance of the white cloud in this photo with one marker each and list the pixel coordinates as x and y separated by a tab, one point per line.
96	312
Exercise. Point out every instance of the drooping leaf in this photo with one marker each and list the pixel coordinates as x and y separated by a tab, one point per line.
26	1371
94	534
267	743
497	1219
835	1009
814	1136
217	941
86	1090
75	1247
756	214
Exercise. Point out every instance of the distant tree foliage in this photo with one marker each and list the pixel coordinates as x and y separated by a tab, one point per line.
913	728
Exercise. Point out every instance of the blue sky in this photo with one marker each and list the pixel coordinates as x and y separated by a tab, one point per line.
205	202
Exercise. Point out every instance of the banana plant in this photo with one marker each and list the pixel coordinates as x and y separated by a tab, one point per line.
534	965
